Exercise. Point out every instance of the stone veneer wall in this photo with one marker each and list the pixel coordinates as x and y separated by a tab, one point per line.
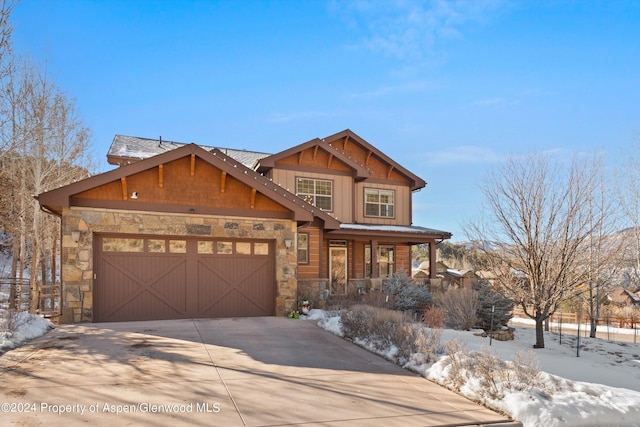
77	258
314	290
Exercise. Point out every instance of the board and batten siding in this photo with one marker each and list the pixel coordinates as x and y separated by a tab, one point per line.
402	204
342	189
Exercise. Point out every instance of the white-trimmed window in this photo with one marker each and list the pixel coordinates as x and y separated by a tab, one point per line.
318	192
379	202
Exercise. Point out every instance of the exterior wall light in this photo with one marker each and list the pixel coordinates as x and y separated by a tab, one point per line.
75	235
287	243
134	195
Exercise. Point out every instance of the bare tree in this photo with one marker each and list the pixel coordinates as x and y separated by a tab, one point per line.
49	149
540	225
604	245
628	180
6	66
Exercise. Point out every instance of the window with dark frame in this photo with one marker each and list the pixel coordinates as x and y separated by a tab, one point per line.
318	192
303	248
378	202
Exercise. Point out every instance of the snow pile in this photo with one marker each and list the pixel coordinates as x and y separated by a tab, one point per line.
326	321
532	396
22	326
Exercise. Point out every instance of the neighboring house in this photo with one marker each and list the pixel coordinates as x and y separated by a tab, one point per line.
460	279
487	276
447	277
186	231
624	298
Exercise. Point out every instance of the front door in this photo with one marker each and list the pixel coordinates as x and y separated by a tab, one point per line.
338	270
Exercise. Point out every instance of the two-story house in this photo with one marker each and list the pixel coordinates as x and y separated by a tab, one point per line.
186	231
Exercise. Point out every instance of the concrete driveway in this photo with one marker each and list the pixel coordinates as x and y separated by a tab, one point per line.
263	371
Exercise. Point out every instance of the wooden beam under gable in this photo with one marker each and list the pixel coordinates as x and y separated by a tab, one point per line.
330	160
123	181
300	157
346	141
161	175
193	164
253	198
315	151
223	180
389	171
366	163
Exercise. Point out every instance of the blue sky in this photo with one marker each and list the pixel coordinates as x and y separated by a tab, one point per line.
448	89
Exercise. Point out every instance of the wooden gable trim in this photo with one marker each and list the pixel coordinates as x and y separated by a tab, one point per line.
123	182
223	181
389	171
268	163
416	181
55	200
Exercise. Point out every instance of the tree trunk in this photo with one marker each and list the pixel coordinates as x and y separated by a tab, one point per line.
593	321
14	259
539	333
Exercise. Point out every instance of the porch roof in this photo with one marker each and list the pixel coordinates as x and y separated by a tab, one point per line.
409	233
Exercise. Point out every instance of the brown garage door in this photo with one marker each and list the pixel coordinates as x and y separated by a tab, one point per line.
145	278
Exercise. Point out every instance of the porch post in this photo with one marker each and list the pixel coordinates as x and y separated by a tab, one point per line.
375	270
432	259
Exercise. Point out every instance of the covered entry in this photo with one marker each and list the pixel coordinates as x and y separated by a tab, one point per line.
158	277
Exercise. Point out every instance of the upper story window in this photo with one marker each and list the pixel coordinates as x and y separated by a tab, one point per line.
317	192
379	202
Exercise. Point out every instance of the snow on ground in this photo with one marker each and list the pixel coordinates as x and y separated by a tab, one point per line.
22	328
599	388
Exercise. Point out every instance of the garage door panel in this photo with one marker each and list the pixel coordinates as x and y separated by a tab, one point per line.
135	287
200	281
236	304
240	285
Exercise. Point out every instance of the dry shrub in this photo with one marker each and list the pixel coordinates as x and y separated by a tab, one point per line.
496	376
434	317
421	345
461	306
457	362
378	299
384	329
374	323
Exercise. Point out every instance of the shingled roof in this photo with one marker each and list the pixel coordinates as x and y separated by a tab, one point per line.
125	150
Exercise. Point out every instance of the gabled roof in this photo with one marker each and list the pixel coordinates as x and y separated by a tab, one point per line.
129	149
417	182
56	200
266	163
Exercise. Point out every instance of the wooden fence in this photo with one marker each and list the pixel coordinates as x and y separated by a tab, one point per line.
584	319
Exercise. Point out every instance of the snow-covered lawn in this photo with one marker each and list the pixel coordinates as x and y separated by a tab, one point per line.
599	388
